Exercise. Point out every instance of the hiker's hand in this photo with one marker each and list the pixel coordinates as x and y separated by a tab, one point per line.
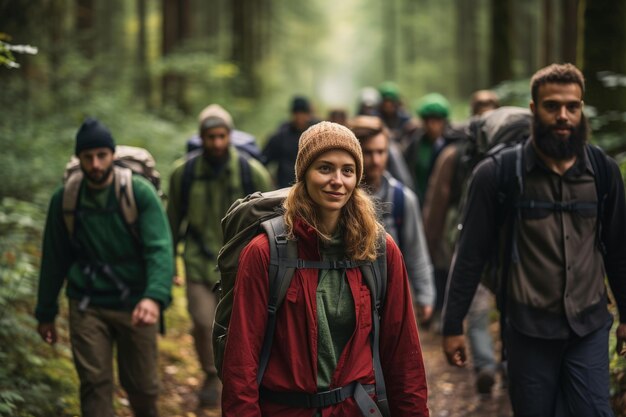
178	280
146	312
424	313
48	332
454	348
620	334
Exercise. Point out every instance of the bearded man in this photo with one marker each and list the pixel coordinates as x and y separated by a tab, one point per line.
565	240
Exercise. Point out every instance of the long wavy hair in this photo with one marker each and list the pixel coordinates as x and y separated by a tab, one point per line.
358	220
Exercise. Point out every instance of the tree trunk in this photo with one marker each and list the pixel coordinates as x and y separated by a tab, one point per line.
467	47
569	31
176	27
142	84
245	50
85	34
390	40
548	33
501	41
605	63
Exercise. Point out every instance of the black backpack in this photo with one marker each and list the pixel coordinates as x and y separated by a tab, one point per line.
262	213
488	135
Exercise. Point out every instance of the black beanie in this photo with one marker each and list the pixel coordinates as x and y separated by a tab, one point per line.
93	134
300	104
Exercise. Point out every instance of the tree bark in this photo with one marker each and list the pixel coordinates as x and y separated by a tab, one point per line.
605	63
176	29
569	31
548	33
501	41
142	85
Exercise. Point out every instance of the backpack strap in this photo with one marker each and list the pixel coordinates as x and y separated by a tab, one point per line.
188	176
280	276
123	185
246	175
603	180
123	179
375	276
71	191
397	211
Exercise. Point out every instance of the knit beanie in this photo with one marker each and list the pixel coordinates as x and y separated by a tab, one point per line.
433	105
217	111
323	137
212	122
93	134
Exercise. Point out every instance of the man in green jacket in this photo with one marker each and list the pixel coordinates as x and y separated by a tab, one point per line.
202	188
118	282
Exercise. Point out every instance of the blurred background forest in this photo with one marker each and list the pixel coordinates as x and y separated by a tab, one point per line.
147	67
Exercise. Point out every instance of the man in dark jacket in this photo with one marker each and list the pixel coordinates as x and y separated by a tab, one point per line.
117	282
565	240
282	146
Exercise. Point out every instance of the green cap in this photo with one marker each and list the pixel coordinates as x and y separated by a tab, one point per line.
389	91
433	105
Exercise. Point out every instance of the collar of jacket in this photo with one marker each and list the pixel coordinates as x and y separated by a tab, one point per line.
308	240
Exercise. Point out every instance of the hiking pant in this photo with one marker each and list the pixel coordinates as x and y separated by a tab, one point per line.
93	334
479	336
559	377
201	303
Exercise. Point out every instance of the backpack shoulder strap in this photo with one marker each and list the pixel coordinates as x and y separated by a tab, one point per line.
246	175
71	190
280	276
398	210
603	180
375	276
125	194
188	176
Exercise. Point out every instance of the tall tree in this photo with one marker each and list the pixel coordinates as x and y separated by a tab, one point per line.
142	82
500	61
390	44
548	52
248	43
467	43
85	25
176	29
605	62
570	31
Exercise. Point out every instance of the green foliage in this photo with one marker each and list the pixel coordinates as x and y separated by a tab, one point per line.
34	380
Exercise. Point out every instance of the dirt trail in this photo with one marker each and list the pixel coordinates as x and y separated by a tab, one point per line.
451	390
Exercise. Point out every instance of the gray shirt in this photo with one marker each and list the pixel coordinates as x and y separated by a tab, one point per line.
412	242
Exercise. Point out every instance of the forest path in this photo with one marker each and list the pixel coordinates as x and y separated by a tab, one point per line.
451	391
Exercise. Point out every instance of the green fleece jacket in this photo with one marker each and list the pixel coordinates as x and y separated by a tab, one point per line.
212	192
144	264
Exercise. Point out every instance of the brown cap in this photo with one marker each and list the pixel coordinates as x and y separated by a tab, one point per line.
323	137
215	110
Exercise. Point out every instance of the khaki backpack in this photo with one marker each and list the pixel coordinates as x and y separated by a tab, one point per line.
129	160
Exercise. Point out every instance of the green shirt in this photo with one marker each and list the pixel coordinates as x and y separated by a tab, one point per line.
336	315
143	264
212	192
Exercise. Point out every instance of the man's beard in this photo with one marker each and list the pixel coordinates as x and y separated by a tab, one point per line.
98	180
559	148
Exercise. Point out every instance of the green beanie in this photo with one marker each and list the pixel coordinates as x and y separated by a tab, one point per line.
389	91
433	105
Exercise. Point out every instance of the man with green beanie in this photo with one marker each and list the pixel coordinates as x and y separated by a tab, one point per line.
391	110
119	278
426	143
202	188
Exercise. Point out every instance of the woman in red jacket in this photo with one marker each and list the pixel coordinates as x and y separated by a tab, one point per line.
323	344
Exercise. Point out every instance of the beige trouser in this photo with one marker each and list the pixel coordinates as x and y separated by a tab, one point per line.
201	303
93	334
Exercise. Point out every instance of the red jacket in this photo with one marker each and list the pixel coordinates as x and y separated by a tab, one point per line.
293	361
